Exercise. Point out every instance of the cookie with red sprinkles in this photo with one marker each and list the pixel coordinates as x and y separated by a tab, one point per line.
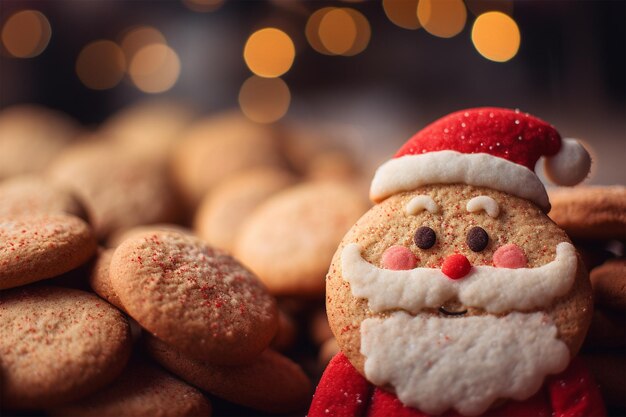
57	345
196	298
40	246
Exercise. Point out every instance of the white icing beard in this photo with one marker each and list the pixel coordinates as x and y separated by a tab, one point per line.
465	363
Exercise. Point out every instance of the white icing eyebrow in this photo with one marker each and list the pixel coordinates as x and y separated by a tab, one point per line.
421	203
483	202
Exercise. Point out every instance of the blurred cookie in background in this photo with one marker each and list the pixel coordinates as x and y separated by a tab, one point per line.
31	137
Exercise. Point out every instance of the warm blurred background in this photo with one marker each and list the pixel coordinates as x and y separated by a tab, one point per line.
380	69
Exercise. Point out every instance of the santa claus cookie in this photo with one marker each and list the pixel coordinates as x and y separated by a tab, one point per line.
456	294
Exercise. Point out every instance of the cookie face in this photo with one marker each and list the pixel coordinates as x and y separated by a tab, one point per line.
272	383
453	270
36	247
57	345
198	299
223	211
590	212
31	195
289	240
120	190
141	390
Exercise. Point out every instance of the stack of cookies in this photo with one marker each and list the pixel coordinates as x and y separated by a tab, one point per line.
595	219
164	264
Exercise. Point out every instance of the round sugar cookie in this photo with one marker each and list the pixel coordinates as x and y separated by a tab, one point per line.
222	212
31	137
29	194
40	246
57	345
121	235
143	390
217	147
120	190
290	239
149	128
590	212
194	297
609	284
390	224
272	383
100	279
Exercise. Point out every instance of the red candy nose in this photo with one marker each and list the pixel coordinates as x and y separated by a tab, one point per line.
456	266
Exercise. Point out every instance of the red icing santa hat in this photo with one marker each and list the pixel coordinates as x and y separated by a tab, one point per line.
488	147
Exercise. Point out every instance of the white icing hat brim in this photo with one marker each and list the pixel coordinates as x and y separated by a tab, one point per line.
408	172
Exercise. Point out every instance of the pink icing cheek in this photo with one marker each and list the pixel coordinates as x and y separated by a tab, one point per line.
398	258
510	256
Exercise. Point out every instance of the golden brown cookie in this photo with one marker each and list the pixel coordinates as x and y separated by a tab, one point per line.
40	246
217	147
120	190
100	280
272	383
149	128
194	297
590	212
121	235
143	390
289	240
29	194
609	284
31	137
391	224
223	210
57	345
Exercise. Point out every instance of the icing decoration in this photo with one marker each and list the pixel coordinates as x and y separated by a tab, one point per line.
420	203
450	167
398	258
425	237
570	166
456	266
510	256
482	147
497	290
503	357
477	239
483	202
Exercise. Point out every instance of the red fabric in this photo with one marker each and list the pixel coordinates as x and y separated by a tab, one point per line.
574	393
343	392
489	130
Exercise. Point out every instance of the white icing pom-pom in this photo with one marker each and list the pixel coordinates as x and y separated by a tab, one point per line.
570	165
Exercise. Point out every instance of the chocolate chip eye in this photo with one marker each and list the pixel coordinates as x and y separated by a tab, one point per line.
425	237
477	239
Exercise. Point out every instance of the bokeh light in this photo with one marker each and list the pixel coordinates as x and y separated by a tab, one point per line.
337	31
478	7
269	52
264	100
26	34
363	32
403	13
312	30
203	6
139	37
442	18
154	68
101	65
496	36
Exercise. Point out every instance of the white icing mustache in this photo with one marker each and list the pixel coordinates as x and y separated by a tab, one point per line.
496	290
